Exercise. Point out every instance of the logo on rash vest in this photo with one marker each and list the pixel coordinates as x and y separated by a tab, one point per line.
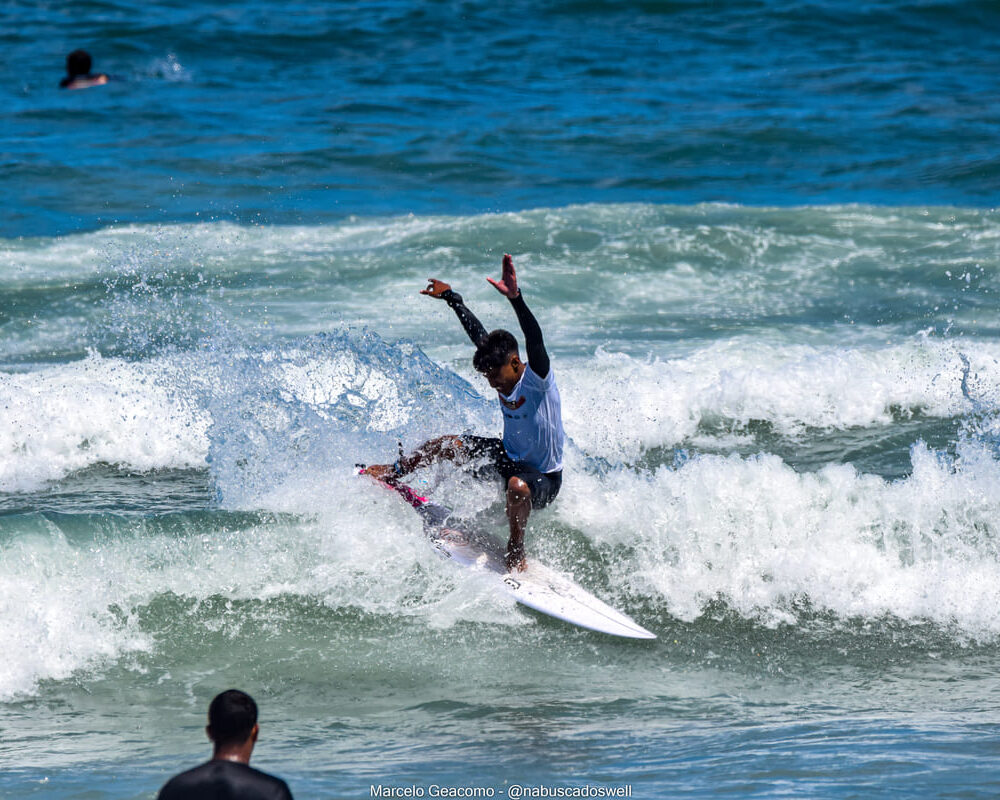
511	404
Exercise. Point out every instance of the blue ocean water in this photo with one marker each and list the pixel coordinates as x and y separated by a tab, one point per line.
762	242
309	112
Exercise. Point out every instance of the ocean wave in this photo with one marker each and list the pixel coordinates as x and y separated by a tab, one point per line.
662	281
356	395
71	416
765	539
773	546
89	605
616	406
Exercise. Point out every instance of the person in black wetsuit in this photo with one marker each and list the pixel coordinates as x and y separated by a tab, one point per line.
233	729
528	459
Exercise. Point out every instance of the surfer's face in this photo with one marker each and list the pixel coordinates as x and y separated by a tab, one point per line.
505	377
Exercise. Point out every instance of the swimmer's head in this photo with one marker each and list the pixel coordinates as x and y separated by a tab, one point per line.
78	63
232	717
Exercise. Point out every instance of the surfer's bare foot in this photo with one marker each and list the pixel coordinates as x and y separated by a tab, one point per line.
383	472
514	558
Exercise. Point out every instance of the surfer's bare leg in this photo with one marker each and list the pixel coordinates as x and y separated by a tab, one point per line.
518	509
444	448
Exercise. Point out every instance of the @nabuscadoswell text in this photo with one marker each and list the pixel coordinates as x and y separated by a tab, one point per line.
510	791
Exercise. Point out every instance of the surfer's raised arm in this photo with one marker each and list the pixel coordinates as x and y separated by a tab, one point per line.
534	345
473	327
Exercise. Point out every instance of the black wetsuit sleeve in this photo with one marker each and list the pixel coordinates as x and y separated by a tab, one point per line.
225	779
533	344
473	327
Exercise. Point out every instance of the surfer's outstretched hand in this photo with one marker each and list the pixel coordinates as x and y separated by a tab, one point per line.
435	288
507	285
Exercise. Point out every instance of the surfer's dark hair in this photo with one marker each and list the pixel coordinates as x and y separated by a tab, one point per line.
231	717
78	63
494	350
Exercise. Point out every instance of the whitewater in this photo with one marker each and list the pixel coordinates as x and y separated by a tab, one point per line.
782	458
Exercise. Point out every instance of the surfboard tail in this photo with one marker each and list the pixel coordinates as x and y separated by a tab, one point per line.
404	491
433	514
539	587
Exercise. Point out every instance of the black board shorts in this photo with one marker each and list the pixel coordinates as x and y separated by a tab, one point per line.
544	485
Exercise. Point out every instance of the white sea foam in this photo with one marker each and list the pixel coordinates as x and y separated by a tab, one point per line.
214	248
59	419
615	405
158	414
763	538
56	607
706	257
283	424
68	604
170	69
753	533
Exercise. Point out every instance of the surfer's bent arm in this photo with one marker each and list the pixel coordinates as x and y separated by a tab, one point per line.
473	327
534	346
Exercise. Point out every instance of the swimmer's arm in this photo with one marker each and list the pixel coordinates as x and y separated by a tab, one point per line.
84	82
534	345
473	327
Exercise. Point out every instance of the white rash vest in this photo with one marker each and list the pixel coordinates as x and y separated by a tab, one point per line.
532	422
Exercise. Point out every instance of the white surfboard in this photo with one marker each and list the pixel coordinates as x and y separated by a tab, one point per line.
537	586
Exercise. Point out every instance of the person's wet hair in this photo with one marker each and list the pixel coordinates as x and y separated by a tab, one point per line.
231	717
78	63
494	351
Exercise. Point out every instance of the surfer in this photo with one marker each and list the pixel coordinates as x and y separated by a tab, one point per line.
528	459
78	75
233	729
